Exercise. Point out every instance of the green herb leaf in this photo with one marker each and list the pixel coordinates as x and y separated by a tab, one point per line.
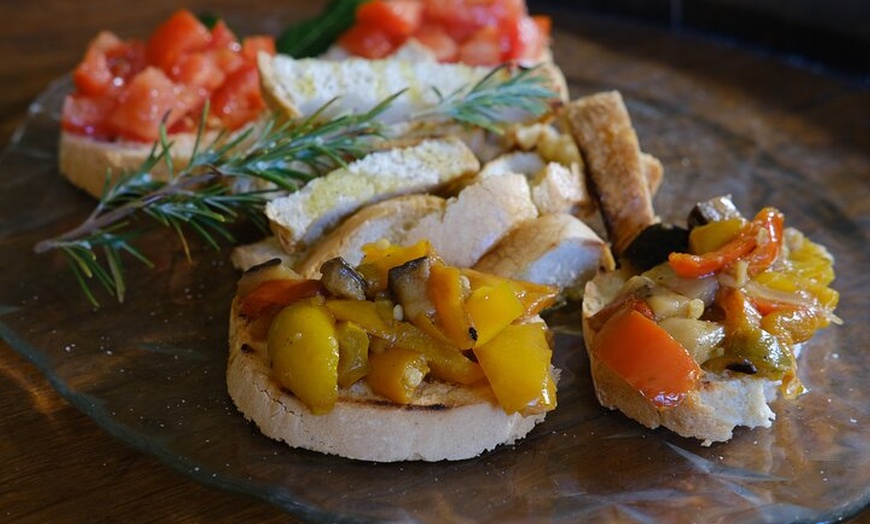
314	36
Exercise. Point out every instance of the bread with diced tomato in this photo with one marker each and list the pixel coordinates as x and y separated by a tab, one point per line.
126	91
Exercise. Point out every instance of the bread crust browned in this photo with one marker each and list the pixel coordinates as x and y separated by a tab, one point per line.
615	165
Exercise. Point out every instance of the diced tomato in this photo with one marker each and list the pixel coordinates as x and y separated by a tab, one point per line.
367	40
92	76
477	32
88	115
127	89
398	18
198	70
527	37
223	38
252	45
238	100
484	48
181	33
439	41
150	99
462	18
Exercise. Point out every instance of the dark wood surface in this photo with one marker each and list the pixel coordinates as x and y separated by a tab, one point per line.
58	465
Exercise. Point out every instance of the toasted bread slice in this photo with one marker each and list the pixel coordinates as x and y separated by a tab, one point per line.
617	169
300	218
443	421
471	223
301	87
387	220
555	249
89	163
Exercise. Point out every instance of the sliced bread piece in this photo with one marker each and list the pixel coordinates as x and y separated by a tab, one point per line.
475	220
442	422
709	413
387	220
300	87
615	165
555	249
302	217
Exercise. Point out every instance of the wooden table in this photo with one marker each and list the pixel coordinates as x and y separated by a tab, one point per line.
58	465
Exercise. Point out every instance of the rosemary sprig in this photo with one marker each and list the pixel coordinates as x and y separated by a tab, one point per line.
484	103
223	182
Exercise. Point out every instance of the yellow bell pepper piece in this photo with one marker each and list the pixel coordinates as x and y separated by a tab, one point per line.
446	362
517	364
534	297
380	257
374	317
492	308
396	373
353	353
712	236
303	347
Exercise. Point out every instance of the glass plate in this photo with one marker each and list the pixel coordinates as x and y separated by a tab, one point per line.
151	371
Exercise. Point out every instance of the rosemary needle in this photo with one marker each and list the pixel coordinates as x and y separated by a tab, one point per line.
224	180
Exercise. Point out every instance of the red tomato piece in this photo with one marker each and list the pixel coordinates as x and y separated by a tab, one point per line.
92	76
198	70
88	115
398	18
485	48
150	99
527	38
367	40
439	41
462	18
181	33
222	37
252	45
238	100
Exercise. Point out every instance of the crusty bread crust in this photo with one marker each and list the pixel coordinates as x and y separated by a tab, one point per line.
443	422
386	220
616	167
721	403
555	249
89	163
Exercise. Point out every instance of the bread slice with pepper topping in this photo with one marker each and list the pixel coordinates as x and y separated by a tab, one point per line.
701	340
400	358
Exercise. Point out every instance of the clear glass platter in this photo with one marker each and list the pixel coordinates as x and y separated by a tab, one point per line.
151	371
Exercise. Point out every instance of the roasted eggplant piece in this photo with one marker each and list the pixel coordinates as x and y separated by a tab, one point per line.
342	280
407	285
653	245
713	210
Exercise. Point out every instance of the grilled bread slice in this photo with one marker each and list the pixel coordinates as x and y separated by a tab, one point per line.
302	217
443	422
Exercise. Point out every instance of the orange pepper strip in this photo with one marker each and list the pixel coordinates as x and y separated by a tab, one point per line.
647	357
759	243
275	294
445	291
769	223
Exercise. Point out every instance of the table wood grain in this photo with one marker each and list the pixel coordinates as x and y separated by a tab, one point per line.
58	465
